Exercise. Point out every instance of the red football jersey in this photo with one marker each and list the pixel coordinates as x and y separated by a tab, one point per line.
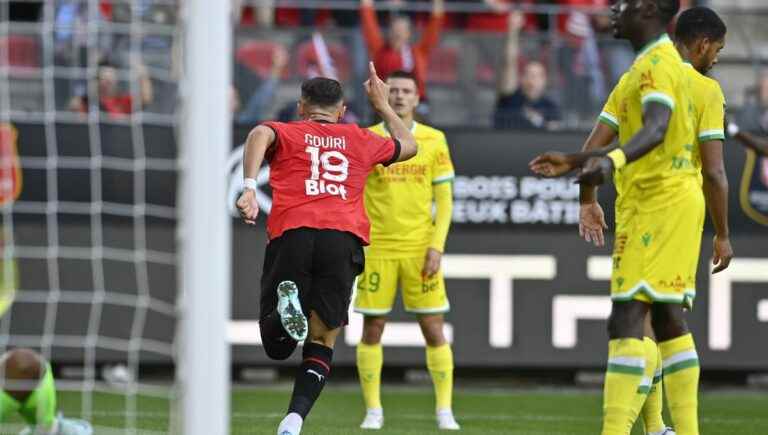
317	174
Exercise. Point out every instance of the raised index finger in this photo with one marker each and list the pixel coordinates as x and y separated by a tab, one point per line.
372	70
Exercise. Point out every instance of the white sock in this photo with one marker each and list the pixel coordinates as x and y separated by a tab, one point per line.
291	423
375	411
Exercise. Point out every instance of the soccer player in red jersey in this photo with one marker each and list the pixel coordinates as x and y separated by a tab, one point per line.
317	226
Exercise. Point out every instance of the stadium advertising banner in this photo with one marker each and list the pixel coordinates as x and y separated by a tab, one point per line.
525	290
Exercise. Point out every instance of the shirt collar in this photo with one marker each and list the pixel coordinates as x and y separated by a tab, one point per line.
653	44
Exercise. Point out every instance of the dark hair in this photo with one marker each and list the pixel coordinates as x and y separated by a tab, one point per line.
667	10
322	92
400	74
699	22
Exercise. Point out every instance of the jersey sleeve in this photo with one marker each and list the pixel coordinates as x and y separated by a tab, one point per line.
713	117
442	166
657	82
610	114
276	127
383	150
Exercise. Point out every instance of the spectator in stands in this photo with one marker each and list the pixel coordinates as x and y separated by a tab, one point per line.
754	114
117	104
523	105
584	83
397	52
316	59
255	109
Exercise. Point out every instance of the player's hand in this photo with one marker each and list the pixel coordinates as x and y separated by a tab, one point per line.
723	254
552	164
592	223
377	90
596	171
248	207
431	263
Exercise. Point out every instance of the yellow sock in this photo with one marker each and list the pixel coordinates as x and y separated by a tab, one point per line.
650	396
440	366
626	364
681	382
370	358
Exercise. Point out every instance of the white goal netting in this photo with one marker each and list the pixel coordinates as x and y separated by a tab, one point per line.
88	97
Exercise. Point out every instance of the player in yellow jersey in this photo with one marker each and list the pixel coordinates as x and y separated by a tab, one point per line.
407	242
659	216
699	37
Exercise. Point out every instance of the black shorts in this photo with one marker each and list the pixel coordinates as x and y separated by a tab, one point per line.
322	263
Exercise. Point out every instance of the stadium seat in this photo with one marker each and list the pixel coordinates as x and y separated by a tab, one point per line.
257	56
306	58
19	51
443	66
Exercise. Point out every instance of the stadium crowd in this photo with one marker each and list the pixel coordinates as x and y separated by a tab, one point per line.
492	66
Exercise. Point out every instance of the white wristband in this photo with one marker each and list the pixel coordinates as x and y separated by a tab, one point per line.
733	129
249	183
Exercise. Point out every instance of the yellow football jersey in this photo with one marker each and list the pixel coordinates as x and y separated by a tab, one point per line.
709	103
398	198
666	173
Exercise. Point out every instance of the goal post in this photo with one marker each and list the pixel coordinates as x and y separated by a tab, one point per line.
205	226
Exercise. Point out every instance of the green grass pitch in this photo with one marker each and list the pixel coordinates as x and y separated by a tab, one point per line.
410	411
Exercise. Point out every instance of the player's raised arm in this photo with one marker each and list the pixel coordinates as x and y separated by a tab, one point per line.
378	94
259	140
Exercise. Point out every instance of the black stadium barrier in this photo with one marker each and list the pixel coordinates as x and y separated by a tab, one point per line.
525	291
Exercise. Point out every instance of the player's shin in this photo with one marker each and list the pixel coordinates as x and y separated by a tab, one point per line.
310	378
653	404
626	365
370	358
440	366
681	382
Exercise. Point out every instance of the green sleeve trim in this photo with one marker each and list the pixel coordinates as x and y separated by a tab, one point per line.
443	179
609	120
708	135
658	97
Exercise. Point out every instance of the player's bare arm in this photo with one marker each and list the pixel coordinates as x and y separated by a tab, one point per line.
716	193
749	140
259	140
557	164
378	95
656	118
591	215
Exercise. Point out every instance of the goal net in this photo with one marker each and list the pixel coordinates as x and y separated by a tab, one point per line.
88	98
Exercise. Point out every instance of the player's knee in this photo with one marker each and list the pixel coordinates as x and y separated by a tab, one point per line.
668	321
432	329
22	364
373	329
326	338
627	320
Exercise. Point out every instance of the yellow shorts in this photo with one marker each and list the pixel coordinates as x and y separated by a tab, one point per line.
377	287
656	253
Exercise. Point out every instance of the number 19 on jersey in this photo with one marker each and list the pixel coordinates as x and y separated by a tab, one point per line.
335	169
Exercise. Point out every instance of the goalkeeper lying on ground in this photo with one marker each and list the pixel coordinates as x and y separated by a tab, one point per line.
27	382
